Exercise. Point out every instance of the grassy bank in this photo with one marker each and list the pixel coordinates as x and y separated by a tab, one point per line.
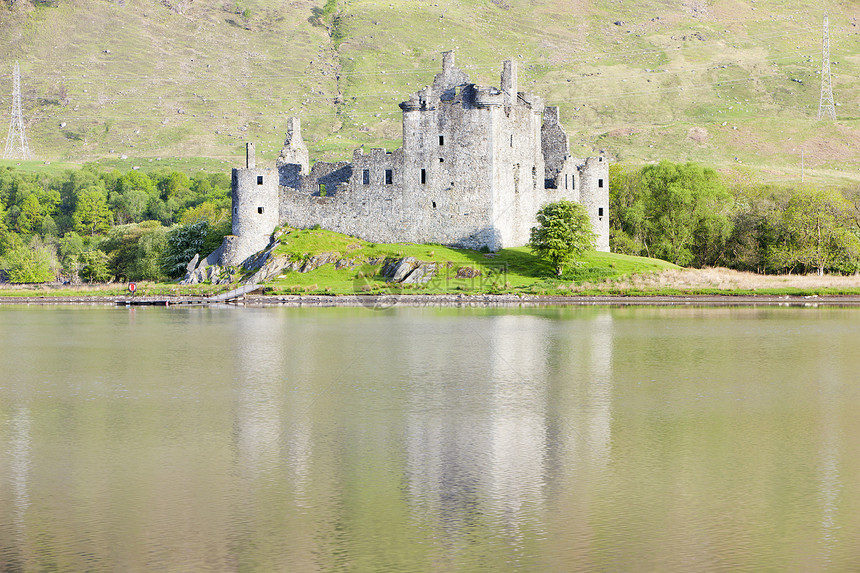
463	271
458	270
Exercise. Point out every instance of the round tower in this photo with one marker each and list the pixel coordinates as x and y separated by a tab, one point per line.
256	209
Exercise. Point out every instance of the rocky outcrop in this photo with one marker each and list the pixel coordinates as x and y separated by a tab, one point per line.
409	270
266	266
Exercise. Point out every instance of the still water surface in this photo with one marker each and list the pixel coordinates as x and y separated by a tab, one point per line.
554	439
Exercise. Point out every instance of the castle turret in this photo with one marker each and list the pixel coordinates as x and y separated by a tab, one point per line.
255	210
594	196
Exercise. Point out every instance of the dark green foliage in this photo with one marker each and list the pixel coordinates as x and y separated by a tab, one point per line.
182	244
73	215
135	250
685	214
70	248
563	233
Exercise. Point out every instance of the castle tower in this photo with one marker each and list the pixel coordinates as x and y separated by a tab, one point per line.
594	196
256	210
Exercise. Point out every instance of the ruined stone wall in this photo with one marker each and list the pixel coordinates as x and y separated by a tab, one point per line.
554	144
326	178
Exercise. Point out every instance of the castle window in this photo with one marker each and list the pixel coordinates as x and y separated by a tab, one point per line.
512	140
600	211
434	204
565	181
389	176
441	160
260	210
259	179
534	177
441	140
365	176
600	183
423	176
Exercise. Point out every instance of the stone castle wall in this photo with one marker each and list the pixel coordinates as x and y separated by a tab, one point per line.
476	165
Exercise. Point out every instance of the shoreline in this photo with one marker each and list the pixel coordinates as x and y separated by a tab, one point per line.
444	300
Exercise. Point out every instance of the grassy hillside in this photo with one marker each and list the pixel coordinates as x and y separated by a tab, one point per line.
733	83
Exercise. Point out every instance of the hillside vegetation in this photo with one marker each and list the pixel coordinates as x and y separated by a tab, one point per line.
733	84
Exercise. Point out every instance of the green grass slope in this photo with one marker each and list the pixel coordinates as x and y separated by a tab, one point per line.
734	84
514	270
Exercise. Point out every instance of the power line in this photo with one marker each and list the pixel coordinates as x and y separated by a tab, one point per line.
16	141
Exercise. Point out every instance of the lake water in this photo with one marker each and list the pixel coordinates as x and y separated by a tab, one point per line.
427	439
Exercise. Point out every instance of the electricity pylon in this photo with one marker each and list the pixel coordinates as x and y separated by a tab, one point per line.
825	104
16	141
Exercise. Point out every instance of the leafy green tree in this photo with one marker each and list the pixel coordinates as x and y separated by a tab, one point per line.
29	264
815	234
207	211
563	233
626	211
49	227
131	196
94	266
92	215
70	248
174	185
150	248
3	226
30	217
135	250
129	207
687	213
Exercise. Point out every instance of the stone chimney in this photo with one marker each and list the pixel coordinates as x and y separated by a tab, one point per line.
447	61
509	81
294	130
250	159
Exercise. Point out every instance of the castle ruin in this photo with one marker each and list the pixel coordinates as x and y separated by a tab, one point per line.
476	165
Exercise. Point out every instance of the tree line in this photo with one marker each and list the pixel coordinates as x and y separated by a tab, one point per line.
687	214
96	225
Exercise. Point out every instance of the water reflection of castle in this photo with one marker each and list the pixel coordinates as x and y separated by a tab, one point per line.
501	455
488	441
